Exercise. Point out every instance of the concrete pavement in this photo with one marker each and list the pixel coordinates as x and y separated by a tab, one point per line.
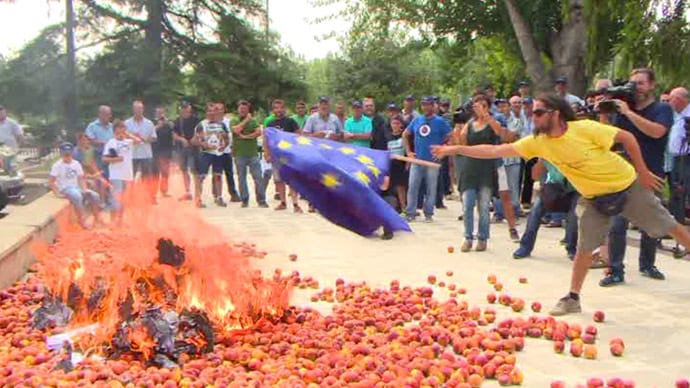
649	315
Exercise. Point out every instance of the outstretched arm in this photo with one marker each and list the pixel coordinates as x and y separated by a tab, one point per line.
482	151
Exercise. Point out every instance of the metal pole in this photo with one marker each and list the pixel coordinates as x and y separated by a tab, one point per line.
268	18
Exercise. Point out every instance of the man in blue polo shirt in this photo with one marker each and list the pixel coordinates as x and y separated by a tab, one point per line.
358	127
427	130
99	132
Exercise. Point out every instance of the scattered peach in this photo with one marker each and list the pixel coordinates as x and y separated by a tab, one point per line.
590	352
449	273
498	286
451	249
595	382
293	257
617	349
536	307
557	384
431	279
522	280
559	346
599	316
682	383
491	298
576	349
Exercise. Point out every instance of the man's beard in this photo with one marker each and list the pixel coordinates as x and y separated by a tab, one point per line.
545	129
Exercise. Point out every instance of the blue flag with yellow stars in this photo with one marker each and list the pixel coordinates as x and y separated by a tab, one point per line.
340	180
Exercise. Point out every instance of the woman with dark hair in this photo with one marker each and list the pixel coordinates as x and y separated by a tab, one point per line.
609	185
478	179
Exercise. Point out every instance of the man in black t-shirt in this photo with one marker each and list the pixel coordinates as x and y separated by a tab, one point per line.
162	151
380	135
287	124
183	132
649	121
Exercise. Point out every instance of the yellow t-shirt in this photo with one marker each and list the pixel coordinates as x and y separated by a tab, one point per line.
583	154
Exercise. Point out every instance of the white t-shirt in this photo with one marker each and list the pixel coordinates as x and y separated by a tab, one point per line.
214	136
123	170
66	174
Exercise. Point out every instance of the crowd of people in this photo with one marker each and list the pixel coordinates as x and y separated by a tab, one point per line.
108	156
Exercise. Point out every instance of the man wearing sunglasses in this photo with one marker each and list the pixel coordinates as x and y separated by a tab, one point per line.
609	185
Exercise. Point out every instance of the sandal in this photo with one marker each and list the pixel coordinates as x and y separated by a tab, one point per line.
598	262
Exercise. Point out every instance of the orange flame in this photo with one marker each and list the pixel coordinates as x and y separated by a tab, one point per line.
116	268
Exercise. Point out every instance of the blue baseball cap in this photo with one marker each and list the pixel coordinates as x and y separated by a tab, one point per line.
561	80
66	148
527	100
392	106
324	99
356	104
428	100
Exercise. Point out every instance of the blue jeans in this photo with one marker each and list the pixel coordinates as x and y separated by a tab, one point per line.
430	176
556	217
529	236
481	198
251	163
618	242
80	199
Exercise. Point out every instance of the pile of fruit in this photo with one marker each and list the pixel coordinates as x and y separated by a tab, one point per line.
399	336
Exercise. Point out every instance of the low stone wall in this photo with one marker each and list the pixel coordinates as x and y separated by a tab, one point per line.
20	228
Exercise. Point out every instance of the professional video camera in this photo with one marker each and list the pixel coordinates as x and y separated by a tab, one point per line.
463	113
621	91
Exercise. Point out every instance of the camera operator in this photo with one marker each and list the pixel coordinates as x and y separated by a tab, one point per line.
649	121
679	147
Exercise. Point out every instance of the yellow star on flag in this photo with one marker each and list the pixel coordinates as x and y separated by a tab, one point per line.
362	176
325	146
330	180
365	159
375	170
303	140
283	145
347	150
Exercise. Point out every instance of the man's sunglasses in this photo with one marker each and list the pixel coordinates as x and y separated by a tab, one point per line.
541	111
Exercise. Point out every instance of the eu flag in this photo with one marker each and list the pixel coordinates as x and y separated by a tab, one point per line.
340	180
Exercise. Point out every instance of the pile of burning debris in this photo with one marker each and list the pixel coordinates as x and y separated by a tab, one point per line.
160	310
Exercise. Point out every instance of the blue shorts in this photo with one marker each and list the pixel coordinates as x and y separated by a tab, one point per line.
207	162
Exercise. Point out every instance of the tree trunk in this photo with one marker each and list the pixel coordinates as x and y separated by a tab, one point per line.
569	48
70	101
530	53
154	53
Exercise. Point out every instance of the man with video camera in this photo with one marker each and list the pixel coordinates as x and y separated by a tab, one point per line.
649	121
679	147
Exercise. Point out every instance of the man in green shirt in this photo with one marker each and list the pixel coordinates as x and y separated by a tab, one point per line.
358	127
245	149
300	115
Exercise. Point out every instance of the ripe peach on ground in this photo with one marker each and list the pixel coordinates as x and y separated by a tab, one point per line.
615	382
557	384
558	346
451	249
599	316
522	280
491	279
595	382
617	349
462	291
591	330
588	339
517	305
449	273
498	286
491	298
536	307
293	257
576	349
431	279
682	383
590	352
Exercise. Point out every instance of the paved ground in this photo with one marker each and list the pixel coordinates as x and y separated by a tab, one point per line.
651	316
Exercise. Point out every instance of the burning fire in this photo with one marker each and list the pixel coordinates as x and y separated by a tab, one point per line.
161	276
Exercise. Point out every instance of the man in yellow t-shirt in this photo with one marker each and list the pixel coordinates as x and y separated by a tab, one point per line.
609	185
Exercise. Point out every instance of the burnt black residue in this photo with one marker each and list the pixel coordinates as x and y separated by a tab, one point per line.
169	253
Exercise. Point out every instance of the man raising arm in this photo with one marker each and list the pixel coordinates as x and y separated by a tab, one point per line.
609	185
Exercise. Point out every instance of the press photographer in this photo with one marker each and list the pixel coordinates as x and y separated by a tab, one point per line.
679	147
649	121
